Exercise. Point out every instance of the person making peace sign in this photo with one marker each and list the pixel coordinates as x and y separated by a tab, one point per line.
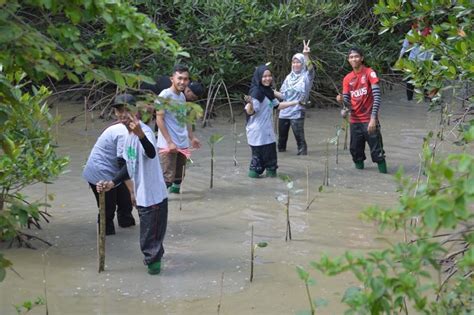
296	87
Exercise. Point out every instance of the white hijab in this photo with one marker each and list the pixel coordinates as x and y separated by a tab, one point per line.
296	81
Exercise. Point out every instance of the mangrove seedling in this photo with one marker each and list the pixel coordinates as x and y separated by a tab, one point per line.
313	304
289	185
252	252
326	165
335	141
213	140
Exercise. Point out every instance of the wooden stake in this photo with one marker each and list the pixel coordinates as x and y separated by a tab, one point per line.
45	197
252	249
101	232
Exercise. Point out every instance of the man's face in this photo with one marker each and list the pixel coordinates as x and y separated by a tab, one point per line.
355	59
180	81
190	96
123	114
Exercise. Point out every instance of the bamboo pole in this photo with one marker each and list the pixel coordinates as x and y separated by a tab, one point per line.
101	232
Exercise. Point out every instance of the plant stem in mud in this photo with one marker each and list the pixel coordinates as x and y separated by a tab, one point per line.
337	149
252	253
181	188
326	166
288	224
234	133
220	295
307	184
212	168
311	304
85	113
57	124
346	132
101	234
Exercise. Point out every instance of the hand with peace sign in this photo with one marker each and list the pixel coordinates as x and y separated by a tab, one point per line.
306	49
134	126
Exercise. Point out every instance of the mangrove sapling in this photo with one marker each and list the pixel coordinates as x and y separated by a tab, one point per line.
304	275
289	185
252	252
346	131
335	141
213	140
181	188
101	232
326	165
234	135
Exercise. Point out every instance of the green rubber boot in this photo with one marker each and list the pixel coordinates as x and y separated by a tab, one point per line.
253	174
382	167
271	173
154	268
174	189
359	165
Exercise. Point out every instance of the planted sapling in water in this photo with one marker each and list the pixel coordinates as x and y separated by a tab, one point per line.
252	252
213	140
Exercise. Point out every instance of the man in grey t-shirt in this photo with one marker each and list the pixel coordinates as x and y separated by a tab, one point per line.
175	137
103	163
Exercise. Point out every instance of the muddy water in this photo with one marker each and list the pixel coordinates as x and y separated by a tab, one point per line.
210	235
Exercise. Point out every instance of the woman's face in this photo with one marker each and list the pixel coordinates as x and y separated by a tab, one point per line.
267	78
296	65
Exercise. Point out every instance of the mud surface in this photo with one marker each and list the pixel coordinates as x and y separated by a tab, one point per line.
210	235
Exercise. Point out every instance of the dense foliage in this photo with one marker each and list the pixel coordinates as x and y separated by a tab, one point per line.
432	271
44	41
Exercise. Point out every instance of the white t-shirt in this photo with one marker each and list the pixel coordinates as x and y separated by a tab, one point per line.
102	162
260	125
146	173
177	131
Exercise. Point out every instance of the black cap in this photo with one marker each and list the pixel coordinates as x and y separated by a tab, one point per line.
124	99
197	88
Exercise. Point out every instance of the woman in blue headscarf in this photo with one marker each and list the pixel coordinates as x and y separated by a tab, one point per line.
296	87
260	134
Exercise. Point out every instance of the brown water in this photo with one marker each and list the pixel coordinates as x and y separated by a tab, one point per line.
211	234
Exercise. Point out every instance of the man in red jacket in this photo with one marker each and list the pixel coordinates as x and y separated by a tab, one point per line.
361	96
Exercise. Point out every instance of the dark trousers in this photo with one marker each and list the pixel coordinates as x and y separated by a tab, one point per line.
116	199
359	136
297	125
153	223
263	157
410	91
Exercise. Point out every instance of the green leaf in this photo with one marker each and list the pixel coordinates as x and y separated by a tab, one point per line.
431	218
262	244
302	273
320	302
350	294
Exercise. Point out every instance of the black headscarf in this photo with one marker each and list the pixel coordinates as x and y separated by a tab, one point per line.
257	90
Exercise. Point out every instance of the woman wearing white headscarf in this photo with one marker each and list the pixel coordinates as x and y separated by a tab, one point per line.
296	87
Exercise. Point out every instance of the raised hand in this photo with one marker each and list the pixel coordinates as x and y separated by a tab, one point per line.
135	127
306	49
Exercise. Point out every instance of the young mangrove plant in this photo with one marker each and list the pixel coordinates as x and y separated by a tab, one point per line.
213	140
335	141
326	165
309	281
252	252
289	185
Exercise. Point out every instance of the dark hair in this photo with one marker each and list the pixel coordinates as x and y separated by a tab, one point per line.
197	88
356	50
180	68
